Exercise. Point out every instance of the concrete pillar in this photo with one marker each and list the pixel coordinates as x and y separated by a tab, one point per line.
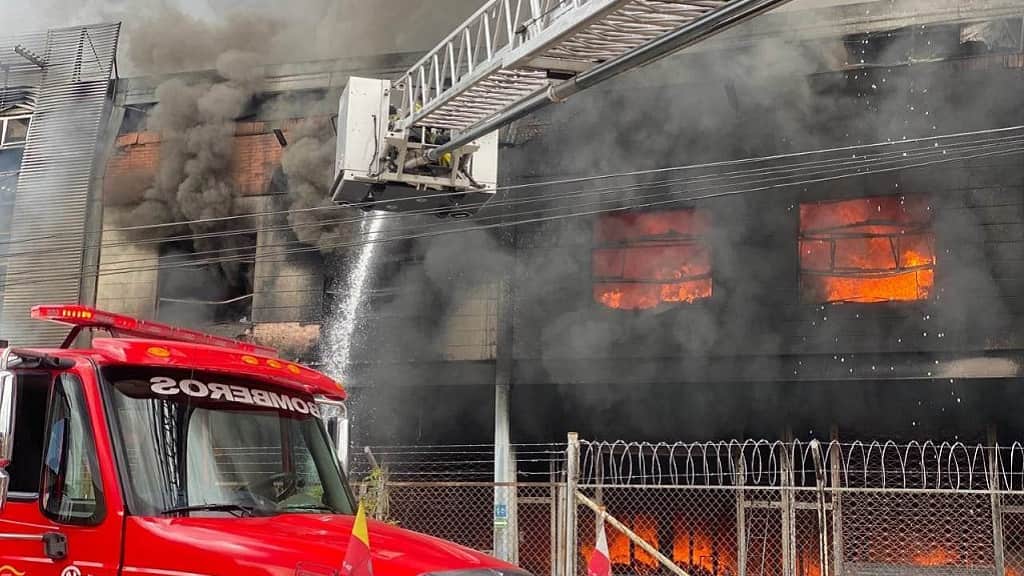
94	221
287	288
506	528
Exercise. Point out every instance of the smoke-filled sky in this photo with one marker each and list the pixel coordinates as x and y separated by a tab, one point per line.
175	35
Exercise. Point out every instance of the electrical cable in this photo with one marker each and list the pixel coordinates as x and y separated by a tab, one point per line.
636	187
948	159
627	188
864	159
244	258
705	165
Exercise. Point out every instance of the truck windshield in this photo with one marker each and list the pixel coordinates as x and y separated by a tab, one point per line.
195	443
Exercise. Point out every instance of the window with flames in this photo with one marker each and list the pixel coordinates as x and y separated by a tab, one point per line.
643	260
877	249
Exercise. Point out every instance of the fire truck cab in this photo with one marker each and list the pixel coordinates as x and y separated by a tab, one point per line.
167	452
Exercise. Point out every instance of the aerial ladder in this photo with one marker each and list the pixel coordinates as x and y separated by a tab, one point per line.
428	141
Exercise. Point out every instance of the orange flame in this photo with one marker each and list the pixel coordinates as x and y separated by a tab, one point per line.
647	259
877	249
693	550
934	557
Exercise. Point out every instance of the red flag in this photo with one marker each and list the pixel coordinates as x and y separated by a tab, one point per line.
600	564
357	558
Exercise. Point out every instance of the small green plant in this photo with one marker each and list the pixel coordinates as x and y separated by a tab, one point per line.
375	495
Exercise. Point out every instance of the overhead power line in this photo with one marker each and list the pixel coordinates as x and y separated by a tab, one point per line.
548	183
876	160
781	170
1015	148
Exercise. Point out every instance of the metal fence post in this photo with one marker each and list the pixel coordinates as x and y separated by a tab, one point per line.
741	516
999	553
786	494
556	521
819	479
835	461
572	466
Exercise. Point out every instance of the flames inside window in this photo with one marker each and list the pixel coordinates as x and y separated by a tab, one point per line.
879	249
643	260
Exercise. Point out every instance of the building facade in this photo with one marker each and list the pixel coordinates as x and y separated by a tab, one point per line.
882	302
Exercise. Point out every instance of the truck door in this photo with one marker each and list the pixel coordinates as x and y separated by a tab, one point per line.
58	520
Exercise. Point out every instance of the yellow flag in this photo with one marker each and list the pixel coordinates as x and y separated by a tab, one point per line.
357	558
359	529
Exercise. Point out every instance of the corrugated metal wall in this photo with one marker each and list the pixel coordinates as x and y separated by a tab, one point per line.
48	233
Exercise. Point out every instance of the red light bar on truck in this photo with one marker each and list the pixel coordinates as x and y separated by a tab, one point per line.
119	324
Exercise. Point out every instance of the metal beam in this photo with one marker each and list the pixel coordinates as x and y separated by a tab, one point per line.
30	56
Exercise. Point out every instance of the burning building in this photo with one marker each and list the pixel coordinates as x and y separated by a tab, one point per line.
769	299
814	303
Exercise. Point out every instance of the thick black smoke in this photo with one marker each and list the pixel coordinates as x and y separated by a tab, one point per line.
307	164
771	97
193	184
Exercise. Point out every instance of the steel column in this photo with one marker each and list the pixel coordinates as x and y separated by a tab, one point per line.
835	462
822	506
787	508
554	499
741	516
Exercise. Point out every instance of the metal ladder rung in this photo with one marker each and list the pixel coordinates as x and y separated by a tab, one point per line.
484	66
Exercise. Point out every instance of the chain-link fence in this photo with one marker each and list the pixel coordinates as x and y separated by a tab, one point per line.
450	492
719	509
808	509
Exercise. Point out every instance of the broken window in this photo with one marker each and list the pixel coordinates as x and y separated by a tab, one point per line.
643	260
14	131
197	294
878	249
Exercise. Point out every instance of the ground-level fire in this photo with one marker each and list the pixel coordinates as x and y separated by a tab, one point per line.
823	243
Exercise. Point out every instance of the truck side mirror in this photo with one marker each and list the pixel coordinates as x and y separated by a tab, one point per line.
335	418
8	394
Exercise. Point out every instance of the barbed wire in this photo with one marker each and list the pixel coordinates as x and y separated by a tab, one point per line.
466	462
761	463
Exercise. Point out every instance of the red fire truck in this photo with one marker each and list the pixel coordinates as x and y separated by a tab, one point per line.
160	451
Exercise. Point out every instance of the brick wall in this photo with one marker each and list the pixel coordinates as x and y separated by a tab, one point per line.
290	339
256	155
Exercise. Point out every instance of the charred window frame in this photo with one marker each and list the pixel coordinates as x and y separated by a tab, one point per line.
201	295
866	250
642	260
